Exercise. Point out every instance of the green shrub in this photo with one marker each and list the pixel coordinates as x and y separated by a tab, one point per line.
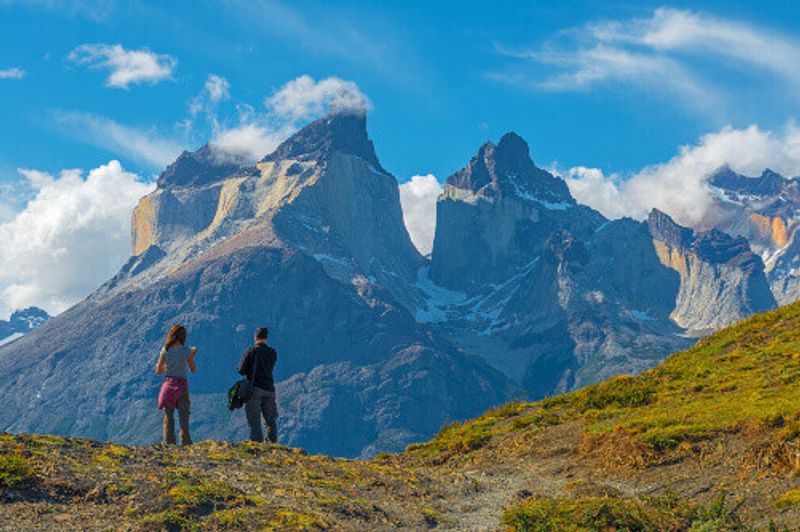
14	470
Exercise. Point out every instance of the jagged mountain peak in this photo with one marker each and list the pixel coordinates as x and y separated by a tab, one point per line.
21	322
512	151
506	169
338	132
663	228
33	316
200	167
769	183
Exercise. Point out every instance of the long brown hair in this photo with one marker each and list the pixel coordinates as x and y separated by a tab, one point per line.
176	335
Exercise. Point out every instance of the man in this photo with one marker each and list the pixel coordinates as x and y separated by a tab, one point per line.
256	365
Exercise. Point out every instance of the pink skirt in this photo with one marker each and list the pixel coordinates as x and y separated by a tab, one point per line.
171	392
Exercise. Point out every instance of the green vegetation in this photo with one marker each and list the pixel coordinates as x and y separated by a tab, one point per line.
457	438
789	499
743	377
611	513
15	471
199	493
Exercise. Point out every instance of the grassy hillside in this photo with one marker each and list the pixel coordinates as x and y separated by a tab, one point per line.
709	440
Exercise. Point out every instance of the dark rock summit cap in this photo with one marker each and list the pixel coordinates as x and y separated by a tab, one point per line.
339	132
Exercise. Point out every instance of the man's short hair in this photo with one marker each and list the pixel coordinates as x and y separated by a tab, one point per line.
262	333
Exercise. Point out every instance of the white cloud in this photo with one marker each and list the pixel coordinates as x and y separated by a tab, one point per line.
215	90
144	146
126	66
12	73
671	51
687	31
245	143
38	179
72	236
244	138
7	212
679	186
418	200
303	98
257	134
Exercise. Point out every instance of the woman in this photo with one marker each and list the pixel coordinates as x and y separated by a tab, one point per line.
174	359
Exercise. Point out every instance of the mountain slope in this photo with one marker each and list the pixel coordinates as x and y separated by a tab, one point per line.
313	246
708	440
555	295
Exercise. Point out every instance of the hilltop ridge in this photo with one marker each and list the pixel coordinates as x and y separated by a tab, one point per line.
709	438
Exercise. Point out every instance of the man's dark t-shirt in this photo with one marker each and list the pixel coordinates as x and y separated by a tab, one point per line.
260	358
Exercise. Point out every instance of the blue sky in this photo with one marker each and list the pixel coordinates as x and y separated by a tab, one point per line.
632	102
433	71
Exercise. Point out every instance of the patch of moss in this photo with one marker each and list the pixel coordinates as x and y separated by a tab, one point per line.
202	493
432	517
612	513
291	520
171	520
789	499
234	518
15	472
48	440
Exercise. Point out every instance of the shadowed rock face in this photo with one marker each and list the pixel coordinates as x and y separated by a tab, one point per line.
314	248
343	133
201	167
722	281
765	210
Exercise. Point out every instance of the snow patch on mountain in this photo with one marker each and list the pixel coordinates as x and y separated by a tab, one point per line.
560	206
438	299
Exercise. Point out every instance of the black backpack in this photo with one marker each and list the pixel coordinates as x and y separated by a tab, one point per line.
239	394
242	390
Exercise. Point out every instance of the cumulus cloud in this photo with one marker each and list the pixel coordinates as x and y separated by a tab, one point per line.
258	133
72	236
126	67
7	212
679	186
418	199
303	98
12	73
246	143
143	146
670	51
